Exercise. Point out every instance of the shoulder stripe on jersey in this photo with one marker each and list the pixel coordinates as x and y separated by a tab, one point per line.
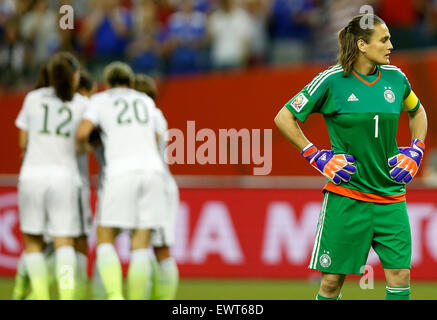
388	66
320	76
322	73
323	79
393	68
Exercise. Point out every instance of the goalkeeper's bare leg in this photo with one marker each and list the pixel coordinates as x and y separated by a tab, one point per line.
398	284
330	286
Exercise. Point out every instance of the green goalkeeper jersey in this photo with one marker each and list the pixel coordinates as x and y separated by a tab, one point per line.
361	114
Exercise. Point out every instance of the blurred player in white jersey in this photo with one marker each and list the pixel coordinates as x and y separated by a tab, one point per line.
21	283
48	186
165	271
87	87
132	195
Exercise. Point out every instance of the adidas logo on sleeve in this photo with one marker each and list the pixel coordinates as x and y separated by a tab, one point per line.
352	97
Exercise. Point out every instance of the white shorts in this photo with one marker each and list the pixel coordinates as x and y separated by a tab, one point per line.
134	200
164	236
49	206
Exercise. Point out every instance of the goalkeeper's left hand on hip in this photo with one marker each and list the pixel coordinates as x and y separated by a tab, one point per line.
337	168
407	162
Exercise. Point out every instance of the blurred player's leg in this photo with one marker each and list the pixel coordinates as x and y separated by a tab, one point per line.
140	268
65	267
80	243
81	247
36	267
49	255
109	264
167	275
21	284
99	292
64	225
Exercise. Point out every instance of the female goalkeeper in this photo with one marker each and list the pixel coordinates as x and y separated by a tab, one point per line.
364	206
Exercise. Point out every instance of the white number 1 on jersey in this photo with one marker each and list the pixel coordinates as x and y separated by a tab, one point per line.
376	118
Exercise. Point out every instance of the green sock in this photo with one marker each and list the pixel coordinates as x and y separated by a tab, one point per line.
397	293
81	276
320	297
65	269
21	284
139	274
109	267
37	270
168	279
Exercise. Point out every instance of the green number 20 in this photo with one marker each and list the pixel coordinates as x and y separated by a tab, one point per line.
124	118
59	129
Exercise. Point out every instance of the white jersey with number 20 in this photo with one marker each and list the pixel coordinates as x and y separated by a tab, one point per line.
127	120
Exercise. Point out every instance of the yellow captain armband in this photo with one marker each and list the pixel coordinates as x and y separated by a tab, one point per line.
411	103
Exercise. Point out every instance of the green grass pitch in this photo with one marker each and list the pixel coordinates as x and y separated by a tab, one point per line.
251	289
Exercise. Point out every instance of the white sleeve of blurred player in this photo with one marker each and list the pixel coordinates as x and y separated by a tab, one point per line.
162	130
22	121
92	112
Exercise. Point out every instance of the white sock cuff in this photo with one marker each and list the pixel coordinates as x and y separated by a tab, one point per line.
33	257
140	255
168	262
105	248
35	263
65	250
65	255
22	262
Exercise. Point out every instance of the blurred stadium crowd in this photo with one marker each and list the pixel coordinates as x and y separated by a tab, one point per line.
177	37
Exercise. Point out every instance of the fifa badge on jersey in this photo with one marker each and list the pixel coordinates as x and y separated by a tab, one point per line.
299	102
389	95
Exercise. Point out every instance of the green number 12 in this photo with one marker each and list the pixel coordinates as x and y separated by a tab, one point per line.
59	128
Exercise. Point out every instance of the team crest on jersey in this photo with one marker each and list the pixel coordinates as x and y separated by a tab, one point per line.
325	260
389	95
299	102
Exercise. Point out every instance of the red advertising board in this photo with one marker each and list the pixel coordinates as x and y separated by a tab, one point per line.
262	233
